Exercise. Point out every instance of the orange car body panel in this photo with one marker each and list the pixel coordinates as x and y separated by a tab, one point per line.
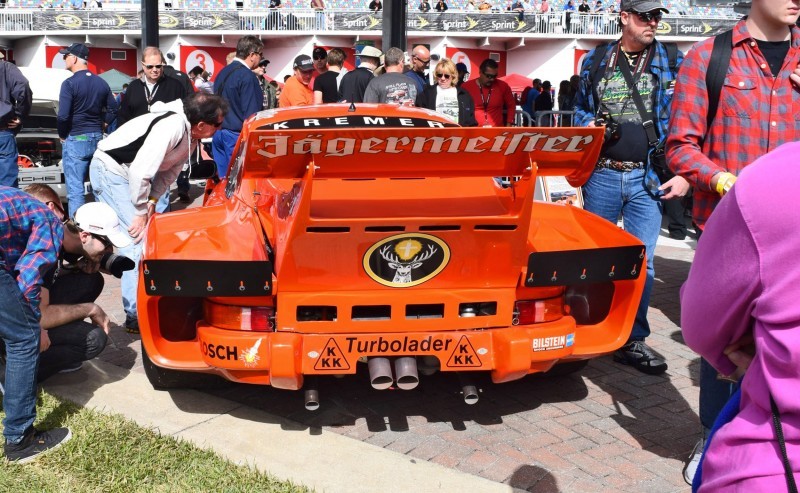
343	220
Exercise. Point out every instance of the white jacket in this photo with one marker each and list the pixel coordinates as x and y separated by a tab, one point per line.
161	156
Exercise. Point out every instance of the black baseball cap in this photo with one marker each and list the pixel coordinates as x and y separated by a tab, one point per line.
641	6
78	49
304	63
319	53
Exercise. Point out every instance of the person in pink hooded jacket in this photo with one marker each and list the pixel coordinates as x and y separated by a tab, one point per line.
739	310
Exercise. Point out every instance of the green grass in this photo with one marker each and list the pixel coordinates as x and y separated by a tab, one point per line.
108	453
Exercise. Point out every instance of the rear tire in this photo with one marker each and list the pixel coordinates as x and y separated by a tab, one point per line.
166	379
568	368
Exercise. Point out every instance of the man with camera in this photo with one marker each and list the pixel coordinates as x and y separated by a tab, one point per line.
32	238
626	180
72	285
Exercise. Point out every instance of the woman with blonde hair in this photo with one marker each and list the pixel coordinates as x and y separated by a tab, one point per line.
446	98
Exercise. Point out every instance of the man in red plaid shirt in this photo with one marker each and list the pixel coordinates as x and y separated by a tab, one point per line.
758	111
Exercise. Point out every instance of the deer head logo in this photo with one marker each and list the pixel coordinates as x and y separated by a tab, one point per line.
406	260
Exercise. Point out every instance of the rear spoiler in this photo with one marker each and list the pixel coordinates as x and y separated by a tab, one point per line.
423	152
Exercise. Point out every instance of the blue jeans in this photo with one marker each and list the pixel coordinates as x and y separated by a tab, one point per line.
76	155
20	330
9	169
222	145
113	190
609	193
714	393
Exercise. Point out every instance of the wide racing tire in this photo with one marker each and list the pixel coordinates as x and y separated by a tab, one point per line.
166	379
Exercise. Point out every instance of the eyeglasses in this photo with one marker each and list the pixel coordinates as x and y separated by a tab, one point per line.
425	62
103	239
489	76
446	76
649	16
151	67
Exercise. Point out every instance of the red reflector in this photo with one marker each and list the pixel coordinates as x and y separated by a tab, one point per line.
256	318
528	312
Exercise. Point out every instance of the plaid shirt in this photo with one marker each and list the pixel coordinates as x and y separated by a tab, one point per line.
586	107
757	113
30	239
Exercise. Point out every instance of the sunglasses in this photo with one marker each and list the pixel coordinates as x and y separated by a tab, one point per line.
489	76
103	239
446	76
151	67
649	16
67	55
426	62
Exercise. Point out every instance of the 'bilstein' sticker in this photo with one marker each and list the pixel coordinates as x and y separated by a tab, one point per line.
553	343
406	260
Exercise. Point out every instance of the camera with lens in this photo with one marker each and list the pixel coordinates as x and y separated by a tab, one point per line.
116	264
612	128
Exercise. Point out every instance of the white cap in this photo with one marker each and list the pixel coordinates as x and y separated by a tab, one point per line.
100	219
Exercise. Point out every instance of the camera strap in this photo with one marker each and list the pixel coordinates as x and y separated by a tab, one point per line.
647	117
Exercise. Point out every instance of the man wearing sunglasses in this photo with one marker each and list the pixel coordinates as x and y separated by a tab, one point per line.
32	237
624	181
420	63
495	105
152	87
86	106
136	165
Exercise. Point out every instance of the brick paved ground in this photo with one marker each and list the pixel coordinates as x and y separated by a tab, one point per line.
606	428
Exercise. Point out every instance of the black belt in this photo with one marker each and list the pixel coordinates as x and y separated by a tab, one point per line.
609	163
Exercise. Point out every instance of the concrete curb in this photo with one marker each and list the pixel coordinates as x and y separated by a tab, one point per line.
290	451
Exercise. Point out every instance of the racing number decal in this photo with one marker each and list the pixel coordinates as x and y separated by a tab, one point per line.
464	355
332	358
406	260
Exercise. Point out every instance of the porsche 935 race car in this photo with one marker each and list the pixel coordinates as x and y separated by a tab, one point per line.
378	235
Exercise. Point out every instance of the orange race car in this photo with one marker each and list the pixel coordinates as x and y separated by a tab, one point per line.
379	235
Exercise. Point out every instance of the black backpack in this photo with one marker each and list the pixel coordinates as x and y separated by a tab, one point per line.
715	74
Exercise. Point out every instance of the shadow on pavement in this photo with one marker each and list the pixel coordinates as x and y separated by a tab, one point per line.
533	478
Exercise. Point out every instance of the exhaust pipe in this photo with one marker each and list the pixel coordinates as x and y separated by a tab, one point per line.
405	369
428	365
468	389
311	398
380	373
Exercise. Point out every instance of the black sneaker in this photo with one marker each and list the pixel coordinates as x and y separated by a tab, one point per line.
36	443
642	357
131	325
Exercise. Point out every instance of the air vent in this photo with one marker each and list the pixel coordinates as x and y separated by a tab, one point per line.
119	55
480	309
495	227
316	313
365	313
328	229
434	310
443	227
385	229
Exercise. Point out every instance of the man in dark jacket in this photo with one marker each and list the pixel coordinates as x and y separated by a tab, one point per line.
239	86
153	86
354	83
15	104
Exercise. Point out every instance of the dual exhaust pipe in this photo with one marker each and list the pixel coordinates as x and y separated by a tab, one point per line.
405	376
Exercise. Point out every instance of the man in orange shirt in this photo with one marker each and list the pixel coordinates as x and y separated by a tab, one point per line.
296	90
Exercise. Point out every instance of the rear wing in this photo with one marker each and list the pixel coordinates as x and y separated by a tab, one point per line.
422	152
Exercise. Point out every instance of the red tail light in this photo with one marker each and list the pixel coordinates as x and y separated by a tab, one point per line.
527	312
256	318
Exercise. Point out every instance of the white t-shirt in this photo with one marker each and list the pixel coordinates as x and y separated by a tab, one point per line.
447	103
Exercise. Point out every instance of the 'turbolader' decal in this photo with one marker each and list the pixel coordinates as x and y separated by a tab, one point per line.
406	260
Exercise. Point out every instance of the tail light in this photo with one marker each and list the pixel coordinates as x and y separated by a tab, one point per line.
527	312
255	318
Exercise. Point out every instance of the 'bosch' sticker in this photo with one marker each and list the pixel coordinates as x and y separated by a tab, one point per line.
406	260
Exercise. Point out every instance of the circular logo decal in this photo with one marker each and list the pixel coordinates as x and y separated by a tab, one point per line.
167	21
69	21
406	260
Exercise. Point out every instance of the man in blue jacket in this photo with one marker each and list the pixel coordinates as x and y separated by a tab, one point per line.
240	88
86	107
624	181
15	104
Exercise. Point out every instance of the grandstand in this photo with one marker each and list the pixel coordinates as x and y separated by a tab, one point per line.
676	7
